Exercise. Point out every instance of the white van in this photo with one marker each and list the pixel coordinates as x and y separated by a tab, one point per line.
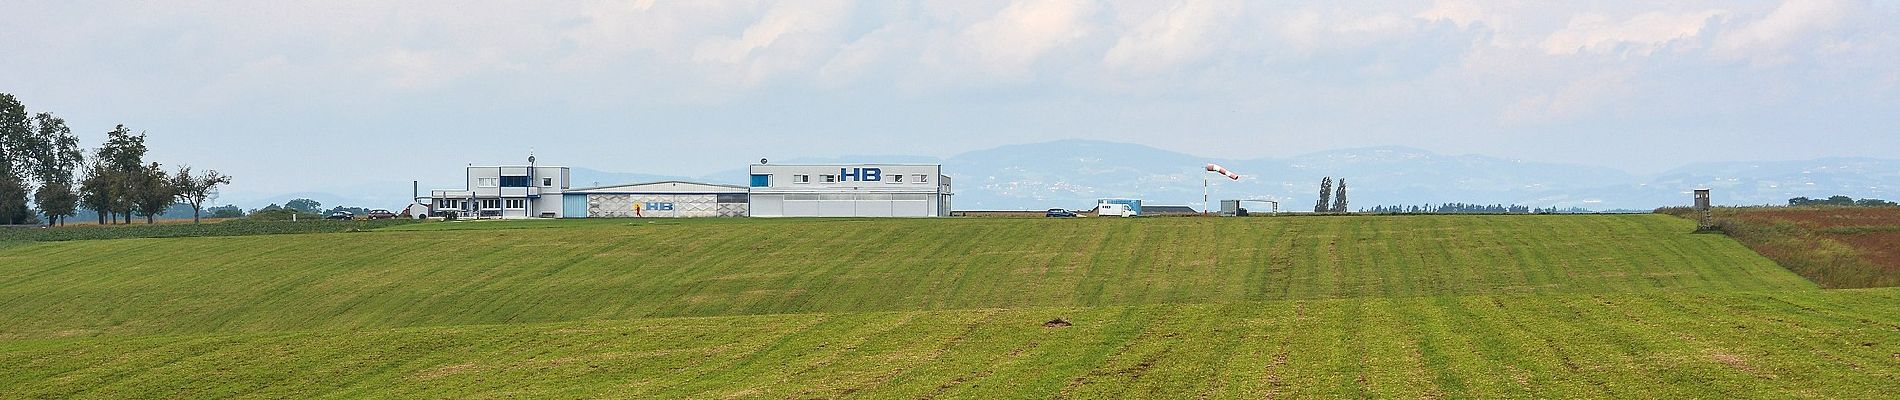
1114	210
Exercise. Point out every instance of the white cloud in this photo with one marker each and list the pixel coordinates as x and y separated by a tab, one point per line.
1584	96
790	37
1170	39
1008	44
1768	39
1642	33
1461	12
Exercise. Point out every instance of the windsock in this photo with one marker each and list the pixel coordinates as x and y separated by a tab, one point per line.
1223	171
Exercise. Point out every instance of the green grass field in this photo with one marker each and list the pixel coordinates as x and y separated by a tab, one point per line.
1402	306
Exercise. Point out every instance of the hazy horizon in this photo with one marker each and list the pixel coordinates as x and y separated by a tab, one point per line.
290	98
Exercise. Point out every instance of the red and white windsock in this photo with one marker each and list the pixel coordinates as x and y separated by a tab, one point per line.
1214	168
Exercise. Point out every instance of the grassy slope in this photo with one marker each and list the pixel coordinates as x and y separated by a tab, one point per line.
1836	247
1658	345
1560	306
610	270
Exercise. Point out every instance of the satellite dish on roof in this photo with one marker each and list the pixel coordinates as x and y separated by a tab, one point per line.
761	161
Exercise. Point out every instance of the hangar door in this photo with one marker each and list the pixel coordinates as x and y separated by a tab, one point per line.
661	206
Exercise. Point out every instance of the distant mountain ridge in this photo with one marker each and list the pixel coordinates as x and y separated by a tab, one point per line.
1073	173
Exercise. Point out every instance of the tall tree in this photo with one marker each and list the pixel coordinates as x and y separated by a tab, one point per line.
194	190
15	134
154	193
1339	197
123	155
1325	195
99	189
55	155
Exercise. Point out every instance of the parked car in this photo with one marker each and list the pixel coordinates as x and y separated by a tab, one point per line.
1059	213
343	215
381	214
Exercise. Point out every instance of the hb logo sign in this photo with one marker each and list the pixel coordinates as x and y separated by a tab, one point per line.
860	174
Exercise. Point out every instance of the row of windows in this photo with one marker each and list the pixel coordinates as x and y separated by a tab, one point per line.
829	178
452	204
511	181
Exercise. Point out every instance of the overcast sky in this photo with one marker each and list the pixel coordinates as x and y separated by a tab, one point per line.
292	97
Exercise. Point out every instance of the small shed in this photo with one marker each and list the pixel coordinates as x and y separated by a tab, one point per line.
415	211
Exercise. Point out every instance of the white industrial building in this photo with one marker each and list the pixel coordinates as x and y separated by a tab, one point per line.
669	199
503	191
849	190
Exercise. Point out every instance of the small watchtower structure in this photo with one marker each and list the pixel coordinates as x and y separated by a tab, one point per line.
1706	217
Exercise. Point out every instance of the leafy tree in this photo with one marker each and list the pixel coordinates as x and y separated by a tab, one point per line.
12	211
194	190
99	191
226	211
153	193
304	205
15	137
57	201
55	156
1339	197
123	157
1325	195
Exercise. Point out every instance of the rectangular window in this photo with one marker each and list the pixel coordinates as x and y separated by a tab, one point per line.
514	181
898	178
517	203
921	178
491	203
486	182
801	178
547	182
761	180
828	178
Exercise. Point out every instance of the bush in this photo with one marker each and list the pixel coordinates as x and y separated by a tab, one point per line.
227	228
282	214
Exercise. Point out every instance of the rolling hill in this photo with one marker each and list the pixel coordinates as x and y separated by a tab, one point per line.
1402	306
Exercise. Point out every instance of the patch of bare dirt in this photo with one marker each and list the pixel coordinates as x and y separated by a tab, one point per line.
445	370
1738	363
1057	323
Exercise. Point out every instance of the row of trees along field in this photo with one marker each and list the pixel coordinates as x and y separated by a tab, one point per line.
40	159
1462	208
1839	201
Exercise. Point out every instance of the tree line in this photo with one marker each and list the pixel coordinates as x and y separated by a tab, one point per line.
1464	208
40	160
1839	201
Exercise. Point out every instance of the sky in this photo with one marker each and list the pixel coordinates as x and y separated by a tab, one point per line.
294	96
